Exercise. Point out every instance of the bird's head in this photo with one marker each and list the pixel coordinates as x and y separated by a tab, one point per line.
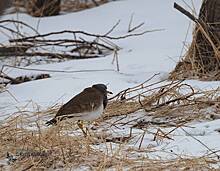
102	88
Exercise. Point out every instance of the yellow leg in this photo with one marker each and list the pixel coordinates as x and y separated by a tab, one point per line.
80	125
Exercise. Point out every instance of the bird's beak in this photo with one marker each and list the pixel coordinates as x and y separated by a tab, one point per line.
109	92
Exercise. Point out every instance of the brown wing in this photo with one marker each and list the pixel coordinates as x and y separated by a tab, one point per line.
89	99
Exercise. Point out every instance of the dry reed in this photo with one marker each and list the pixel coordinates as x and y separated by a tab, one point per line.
202	60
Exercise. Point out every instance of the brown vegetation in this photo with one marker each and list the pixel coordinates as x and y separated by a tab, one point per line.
202	61
39	8
27	144
3	5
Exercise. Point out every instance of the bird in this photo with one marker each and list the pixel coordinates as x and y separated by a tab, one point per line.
85	106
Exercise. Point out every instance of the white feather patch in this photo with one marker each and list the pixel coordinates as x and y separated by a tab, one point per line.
85	116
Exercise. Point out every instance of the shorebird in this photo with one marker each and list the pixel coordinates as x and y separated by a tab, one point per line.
85	106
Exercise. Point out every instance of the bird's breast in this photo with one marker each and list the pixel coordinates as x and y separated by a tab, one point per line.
94	114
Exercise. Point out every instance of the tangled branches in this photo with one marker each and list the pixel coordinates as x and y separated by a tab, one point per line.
172	102
55	45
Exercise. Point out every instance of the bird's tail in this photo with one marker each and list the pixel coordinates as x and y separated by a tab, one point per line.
51	122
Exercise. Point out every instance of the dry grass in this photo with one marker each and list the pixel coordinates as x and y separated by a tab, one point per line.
202	60
191	67
78	5
66	5
25	137
177	164
175	101
45	148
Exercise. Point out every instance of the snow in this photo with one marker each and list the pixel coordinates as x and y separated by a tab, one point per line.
139	59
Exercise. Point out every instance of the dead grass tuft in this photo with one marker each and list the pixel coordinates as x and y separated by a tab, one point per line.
202	60
66	5
175	102
46	148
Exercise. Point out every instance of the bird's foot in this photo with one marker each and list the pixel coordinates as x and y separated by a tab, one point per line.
80	125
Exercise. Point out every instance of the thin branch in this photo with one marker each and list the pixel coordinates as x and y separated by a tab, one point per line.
57	71
213	152
136	27
185	12
130	22
84	33
126	90
113	28
19	22
50	55
130	29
